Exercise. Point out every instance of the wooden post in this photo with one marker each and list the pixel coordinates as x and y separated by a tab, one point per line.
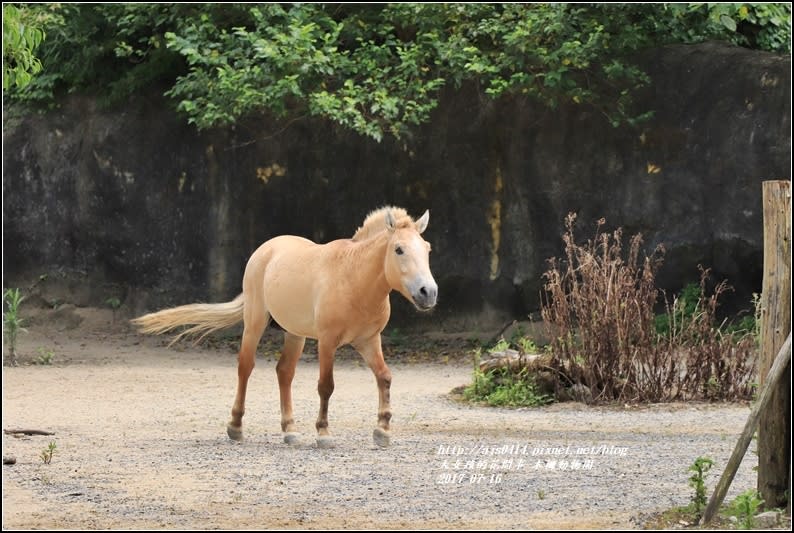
774	441
776	374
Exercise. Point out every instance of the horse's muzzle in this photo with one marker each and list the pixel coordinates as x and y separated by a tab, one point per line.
425	297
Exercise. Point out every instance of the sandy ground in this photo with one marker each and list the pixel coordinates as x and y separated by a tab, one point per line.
141	443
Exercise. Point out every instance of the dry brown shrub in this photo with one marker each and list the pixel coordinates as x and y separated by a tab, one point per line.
599	307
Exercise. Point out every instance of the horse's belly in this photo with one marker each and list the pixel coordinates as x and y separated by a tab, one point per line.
298	321
289	293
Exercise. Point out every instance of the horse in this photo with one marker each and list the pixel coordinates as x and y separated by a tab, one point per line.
336	293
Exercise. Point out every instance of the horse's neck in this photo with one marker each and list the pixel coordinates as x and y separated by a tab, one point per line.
368	264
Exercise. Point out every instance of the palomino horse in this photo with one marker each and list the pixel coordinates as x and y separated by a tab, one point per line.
337	293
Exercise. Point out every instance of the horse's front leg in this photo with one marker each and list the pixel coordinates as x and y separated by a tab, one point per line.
325	387
370	349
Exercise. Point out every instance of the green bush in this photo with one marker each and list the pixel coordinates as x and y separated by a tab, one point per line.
745	507
505	386
21	37
377	69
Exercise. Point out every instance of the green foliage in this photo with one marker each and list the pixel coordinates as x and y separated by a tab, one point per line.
12	322
21	37
749	324
746	506
47	453
699	469
762	26
526	345
503	386
377	69
683	311
500	346
45	356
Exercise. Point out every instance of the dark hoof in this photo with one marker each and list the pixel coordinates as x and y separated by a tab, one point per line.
325	441
235	432
291	438
381	437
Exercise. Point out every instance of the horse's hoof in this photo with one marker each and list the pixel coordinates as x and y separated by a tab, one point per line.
381	437
325	441
234	432
291	438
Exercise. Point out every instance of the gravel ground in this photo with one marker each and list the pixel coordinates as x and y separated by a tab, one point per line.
141	443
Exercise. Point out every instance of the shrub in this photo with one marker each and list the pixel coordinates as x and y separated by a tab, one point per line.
746	506
502	387
513	387
599	307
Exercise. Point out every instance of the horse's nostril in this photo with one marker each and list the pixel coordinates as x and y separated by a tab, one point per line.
423	291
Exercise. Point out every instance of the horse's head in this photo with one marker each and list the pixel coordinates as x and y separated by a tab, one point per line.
407	262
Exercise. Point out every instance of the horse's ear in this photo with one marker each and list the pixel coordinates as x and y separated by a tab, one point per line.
421	224
390	222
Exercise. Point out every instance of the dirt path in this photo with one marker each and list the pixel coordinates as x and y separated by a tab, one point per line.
141	443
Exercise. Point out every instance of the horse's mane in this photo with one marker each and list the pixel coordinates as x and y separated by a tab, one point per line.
376	222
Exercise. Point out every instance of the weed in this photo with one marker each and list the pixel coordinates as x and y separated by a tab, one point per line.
501	346
526	345
746	506
45	357
517	390
482	382
12	322
541	494
517	334
699	469
683	310
503	387
46	453
749	324
114	303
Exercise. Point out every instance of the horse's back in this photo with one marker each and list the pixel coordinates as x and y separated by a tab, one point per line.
284	275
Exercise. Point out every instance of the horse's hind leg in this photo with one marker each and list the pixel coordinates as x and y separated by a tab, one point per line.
370	349
255	324
285	369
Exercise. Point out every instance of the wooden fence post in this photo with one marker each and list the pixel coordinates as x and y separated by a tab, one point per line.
782	361
774	441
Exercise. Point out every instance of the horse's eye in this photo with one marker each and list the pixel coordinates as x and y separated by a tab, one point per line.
399	250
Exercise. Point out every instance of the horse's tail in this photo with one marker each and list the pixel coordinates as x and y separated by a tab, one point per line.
202	319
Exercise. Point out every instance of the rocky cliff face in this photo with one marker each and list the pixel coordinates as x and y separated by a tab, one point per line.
137	205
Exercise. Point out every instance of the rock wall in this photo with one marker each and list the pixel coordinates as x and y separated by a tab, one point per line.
136	205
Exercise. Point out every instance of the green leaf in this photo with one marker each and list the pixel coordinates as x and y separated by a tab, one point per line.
728	22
